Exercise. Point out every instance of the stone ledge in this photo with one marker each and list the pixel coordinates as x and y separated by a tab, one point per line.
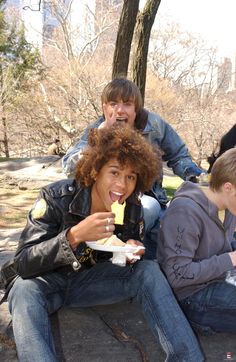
116	333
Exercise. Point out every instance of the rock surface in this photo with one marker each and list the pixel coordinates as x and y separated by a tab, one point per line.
116	333
30	173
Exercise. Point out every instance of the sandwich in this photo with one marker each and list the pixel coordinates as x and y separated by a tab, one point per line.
113	240
118	210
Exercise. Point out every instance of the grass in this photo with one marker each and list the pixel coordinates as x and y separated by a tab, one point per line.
170	184
5	159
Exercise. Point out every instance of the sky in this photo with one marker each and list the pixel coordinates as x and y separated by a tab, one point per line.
214	20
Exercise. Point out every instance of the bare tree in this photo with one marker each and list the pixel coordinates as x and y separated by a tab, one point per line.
142	22
144	25
66	98
124	38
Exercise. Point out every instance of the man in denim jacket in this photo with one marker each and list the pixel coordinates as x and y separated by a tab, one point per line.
122	102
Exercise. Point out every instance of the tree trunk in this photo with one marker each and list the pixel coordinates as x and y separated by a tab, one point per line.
124	38
144	24
3	118
5	138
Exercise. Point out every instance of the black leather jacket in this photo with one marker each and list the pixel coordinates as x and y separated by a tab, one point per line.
43	246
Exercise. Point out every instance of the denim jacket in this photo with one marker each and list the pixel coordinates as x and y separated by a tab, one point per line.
160	134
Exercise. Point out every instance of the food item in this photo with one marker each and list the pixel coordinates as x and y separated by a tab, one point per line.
118	210
113	240
101	241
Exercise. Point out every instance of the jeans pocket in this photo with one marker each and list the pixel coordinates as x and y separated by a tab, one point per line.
203	330
193	311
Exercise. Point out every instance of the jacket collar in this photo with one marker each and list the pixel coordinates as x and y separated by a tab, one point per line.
81	203
141	120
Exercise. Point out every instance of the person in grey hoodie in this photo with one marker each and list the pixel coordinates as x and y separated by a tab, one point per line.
197	248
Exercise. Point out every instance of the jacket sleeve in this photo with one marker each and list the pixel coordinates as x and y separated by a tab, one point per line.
43	246
73	154
175	152
180	235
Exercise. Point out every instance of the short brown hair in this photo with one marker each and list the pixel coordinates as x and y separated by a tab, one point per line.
124	89
224	170
126	145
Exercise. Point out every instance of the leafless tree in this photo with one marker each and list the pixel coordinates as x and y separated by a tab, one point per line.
140	22
124	38
144	25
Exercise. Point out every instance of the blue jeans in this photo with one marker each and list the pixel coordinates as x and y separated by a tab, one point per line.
32	300
212	309
152	215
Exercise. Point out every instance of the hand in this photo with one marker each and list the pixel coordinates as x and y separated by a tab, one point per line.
110	118
232	255
96	226
136	243
130	256
202	179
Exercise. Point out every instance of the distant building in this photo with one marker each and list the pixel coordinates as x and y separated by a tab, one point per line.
41	24
82	24
33	19
41	19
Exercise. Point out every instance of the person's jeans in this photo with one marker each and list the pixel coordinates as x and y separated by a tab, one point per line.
31	300
212	309
152	215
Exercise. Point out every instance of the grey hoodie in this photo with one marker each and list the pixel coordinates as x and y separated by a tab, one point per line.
194	244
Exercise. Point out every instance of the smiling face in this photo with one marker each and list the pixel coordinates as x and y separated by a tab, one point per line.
120	111
113	183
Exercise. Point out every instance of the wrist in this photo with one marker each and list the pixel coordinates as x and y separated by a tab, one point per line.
73	242
232	255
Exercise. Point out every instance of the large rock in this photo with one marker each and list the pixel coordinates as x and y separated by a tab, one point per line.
30	173
116	333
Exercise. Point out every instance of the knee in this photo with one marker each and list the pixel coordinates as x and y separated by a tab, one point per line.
151	208
150	205
149	272
152	282
24	292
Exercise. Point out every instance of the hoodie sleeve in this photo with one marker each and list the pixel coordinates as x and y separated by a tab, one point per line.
185	257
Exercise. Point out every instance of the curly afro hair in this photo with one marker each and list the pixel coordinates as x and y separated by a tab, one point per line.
126	145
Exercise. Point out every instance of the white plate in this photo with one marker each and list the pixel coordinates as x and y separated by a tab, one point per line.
121	249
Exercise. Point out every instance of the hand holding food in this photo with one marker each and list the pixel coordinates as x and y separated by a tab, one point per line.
96	226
